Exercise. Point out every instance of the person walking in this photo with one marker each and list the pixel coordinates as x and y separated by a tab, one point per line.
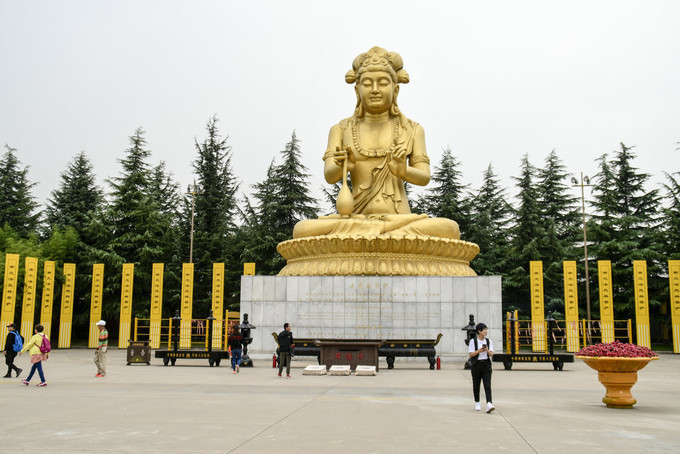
37	357
481	352
9	352
236	347
285	344
102	347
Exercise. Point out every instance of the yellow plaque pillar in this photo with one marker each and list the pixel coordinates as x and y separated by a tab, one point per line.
9	294
96	298
28	307
126	304
156	314
249	269
539	338
571	305
641	303
217	303
66	317
674	285
47	297
186	304
604	272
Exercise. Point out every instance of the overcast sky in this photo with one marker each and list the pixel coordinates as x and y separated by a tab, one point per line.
491	79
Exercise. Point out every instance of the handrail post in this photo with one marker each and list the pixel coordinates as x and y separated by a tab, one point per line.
135	334
630	332
211	319
169	331
585	336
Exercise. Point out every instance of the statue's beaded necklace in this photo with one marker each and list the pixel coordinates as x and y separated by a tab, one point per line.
375	153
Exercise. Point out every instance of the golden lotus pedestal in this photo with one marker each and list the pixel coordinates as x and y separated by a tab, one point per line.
618	375
332	255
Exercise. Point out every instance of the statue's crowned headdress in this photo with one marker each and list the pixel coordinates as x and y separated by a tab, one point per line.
378	59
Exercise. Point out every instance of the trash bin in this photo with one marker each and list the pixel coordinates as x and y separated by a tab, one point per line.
138	352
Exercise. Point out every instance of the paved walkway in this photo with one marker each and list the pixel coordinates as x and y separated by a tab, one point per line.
193	408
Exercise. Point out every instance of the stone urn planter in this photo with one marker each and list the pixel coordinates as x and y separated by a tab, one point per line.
618	374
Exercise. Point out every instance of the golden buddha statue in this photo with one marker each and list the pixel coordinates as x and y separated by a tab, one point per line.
375	231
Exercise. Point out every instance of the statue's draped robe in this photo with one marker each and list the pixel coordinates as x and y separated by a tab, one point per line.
384	188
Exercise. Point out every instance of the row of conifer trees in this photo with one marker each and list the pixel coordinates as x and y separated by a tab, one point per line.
144	217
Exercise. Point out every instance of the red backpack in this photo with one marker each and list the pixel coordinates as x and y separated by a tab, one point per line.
45	347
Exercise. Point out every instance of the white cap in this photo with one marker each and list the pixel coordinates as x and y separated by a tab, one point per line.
101	323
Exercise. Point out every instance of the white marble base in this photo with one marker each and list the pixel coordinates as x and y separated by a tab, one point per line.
366	370
314	370
372	307
339	370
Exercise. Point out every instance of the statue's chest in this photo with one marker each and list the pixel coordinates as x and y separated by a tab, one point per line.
370	140
374	137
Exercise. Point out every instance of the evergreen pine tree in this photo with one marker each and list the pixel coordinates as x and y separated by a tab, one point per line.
136	224
282	201
561	222
293	202
17	204
165	192
214	221
260	236
623	228
489	227
671	216
447	197
77	198
525	233
73	207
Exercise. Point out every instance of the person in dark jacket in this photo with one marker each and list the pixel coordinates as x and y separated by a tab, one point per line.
236	347
9	352
285	344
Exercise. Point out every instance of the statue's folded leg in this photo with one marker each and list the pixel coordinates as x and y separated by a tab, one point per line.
435	227
313	227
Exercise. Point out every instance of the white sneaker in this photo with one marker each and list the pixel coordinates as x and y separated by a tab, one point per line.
490	407
238	369
478	407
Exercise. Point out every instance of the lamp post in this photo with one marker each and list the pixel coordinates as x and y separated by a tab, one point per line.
585	181
192	190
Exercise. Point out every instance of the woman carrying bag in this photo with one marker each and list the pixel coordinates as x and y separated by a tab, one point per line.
37	355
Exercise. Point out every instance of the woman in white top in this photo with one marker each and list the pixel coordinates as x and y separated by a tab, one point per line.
481	352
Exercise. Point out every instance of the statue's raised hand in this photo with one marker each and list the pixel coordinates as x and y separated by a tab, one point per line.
397	161
341	155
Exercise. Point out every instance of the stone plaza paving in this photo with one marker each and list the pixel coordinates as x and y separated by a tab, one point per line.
193	408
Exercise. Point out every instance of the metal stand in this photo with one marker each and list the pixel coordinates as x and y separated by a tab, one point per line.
471	333
245	328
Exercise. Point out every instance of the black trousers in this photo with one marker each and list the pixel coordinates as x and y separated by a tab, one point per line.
284	360
9	360
481	371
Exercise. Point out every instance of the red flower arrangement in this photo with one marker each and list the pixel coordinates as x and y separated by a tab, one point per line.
617	349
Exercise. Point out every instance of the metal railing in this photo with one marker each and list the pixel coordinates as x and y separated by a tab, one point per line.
161	335
570	336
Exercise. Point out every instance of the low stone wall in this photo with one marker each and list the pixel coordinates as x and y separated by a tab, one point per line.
372	307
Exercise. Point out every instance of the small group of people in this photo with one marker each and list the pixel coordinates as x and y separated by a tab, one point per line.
286	344
480	352
15	346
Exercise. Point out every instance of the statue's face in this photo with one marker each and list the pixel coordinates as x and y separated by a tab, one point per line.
376	91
